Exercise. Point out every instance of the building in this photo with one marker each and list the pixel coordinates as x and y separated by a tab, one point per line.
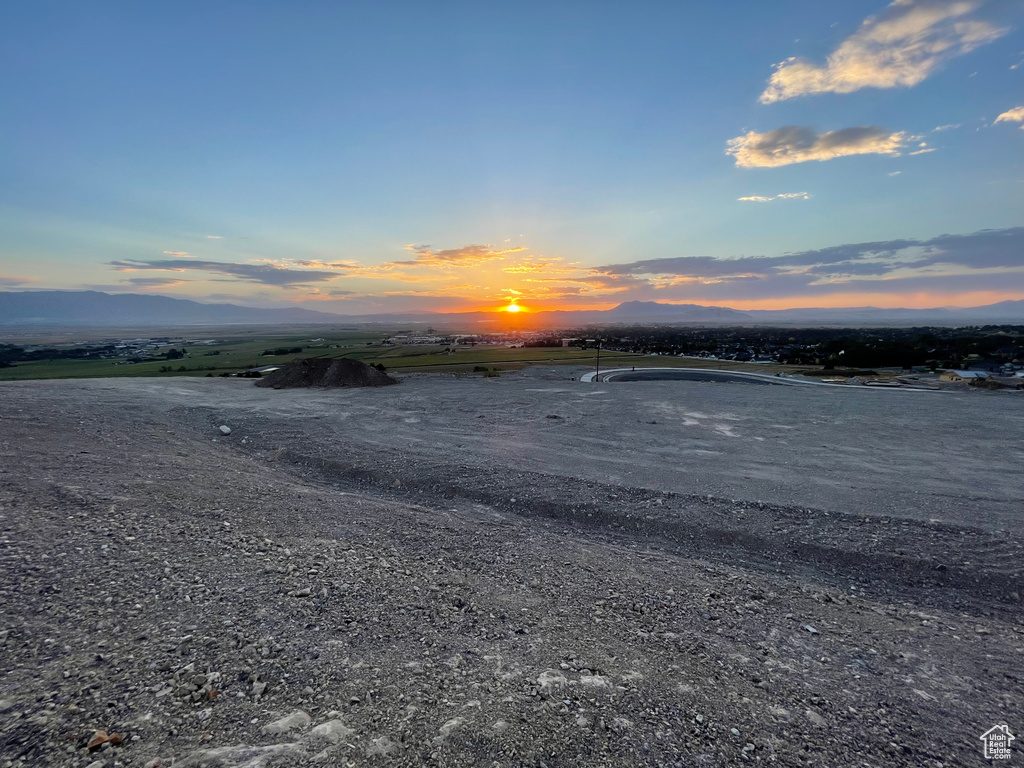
963	375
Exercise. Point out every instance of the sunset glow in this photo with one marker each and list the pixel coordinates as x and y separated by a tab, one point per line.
849	171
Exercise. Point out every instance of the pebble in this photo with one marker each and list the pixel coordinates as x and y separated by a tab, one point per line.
224	429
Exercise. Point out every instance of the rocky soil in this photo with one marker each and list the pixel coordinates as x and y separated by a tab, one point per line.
175	595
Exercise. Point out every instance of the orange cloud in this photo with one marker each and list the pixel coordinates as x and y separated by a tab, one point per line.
466	255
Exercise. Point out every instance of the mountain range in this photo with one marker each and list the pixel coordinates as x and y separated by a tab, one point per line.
97	309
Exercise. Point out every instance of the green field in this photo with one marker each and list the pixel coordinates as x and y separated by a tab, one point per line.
232	355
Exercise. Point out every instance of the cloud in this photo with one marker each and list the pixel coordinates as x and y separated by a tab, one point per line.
466	255
798	144
266	274
214	237
782	196
993	258
155	282
344	267
9	281
900	47
1015	115
180	254
535	265
949	127
896	173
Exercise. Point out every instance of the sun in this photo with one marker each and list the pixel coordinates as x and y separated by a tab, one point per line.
512	308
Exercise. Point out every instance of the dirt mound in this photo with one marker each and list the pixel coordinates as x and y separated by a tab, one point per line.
326	372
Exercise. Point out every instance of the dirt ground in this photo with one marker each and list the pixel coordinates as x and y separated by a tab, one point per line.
523	570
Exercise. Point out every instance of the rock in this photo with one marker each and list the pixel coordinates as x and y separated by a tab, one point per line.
258	689
99	738
595	681
240	755
224	429
451	725
815	718
332	731
811	629
551	679
620	725
97	764
380	746
304	592
447	728
287	724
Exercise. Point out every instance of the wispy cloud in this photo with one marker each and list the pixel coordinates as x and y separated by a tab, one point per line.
1015	115
466	255
267	274
535	265
950	127
180	254
215	237
344	267
154	282
782	196
899	47
799	144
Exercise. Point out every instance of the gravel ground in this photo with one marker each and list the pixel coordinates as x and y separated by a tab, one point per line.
515	571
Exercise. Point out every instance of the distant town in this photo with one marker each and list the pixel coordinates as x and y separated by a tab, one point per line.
981	356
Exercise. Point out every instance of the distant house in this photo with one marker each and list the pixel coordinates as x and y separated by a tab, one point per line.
963	375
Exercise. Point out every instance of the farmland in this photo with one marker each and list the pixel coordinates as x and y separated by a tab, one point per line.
219	355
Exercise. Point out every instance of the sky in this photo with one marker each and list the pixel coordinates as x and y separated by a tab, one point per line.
363	158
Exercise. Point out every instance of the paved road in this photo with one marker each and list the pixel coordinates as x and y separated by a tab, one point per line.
694	374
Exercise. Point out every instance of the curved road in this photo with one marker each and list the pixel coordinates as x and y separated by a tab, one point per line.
695	374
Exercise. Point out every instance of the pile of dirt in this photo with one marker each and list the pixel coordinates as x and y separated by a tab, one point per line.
326	372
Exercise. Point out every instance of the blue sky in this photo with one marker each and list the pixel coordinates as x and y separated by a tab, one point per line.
379	157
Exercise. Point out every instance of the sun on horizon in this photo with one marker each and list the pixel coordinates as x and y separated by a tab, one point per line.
512	308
